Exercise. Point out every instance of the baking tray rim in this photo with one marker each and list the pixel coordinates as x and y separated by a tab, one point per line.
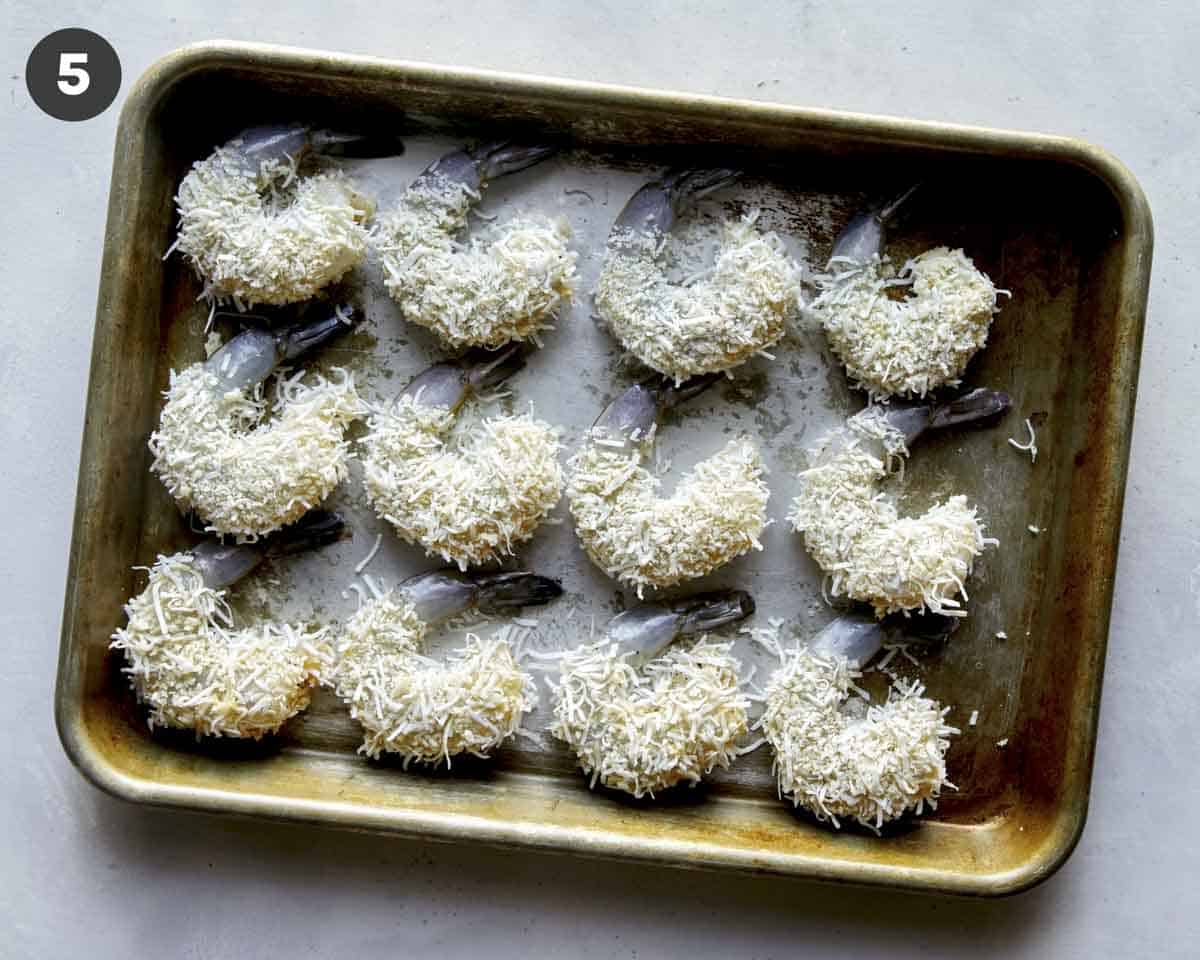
1132	293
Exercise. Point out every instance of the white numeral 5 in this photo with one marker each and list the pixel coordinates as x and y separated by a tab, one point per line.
73	79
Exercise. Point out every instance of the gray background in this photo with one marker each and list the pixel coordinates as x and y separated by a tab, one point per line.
82	873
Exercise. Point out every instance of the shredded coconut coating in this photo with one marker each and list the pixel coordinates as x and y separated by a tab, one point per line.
469	495
674	722
710	324
912	345
873	767
717	512
194	671
504	283
265	235
242	475
423	710
867	550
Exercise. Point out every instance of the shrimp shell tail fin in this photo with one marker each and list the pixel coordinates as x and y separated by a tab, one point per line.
506	592
317	528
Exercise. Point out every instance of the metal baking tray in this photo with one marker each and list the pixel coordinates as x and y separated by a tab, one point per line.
1058	222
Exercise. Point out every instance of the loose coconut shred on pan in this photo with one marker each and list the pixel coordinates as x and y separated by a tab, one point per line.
867	550
469	493
504	283
422	709
717	321
641	732
243	474
911	345
262	234
193	670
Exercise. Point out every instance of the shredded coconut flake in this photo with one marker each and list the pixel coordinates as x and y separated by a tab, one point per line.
868	551
193	670
717	513
740	308
504	284
259	234
641	732
912	345
244	476
470	494
422	709
1030	445
872	767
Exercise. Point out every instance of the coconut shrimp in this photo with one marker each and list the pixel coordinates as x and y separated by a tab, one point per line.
469	495
738	309
867	550
913	344
218	457
257	232
643	718
872	764
717	512
423	709
505	283
194	669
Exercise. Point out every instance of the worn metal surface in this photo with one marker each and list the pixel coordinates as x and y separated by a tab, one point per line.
1058	223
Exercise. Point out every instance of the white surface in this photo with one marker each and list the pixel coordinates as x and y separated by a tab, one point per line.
81	872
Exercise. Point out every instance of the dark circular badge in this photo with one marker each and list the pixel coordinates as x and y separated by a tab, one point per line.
73	74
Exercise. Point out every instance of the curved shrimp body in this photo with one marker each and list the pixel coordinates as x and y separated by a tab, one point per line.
423	709
217	456
738	309
913	344
504	283
469	495
643	720
867	550
873	765
256	232
717	512
194	669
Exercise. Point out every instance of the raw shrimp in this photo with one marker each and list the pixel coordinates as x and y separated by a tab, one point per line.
468	495
505	283
640	719
423	709
871	764
681	328
195	670
717	512
217	457
914	344
867	550
256	232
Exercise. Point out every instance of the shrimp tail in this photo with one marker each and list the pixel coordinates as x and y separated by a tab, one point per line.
856	637
655	206
221	564
317	528
335	143
979	407
703	612
449	384
865	235
487	369
671	394
295	341
927	627
474	168
505	592
500	158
